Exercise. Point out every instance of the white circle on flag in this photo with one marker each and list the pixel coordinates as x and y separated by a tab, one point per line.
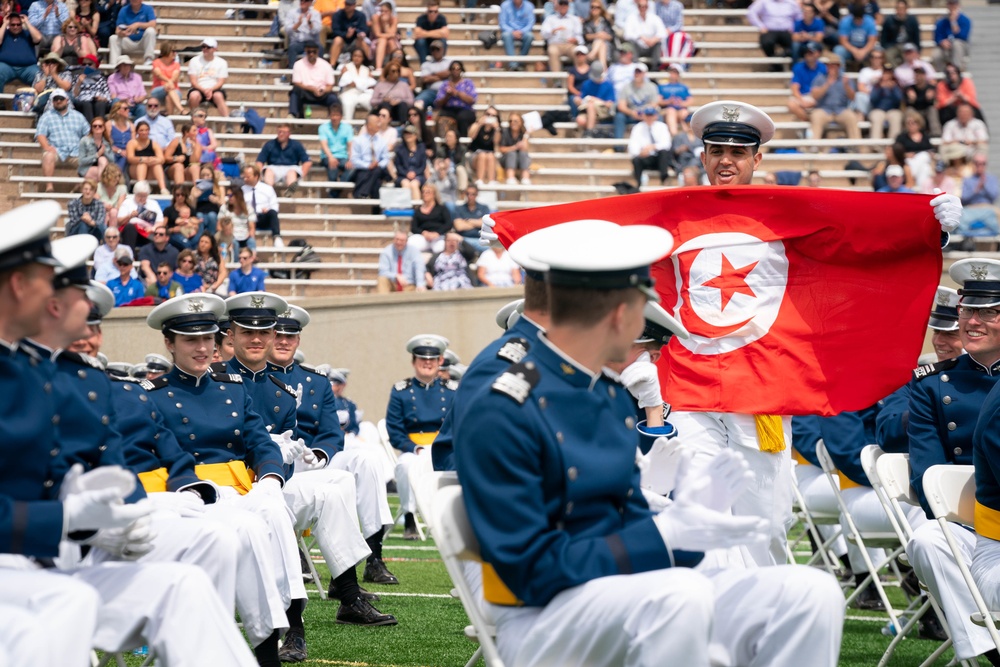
736	285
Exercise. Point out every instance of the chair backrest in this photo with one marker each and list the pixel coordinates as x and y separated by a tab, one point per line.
951	492
869	455
424	482
894	473
825	462
454	532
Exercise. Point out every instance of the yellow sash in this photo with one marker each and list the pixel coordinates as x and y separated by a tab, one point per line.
798	458
154	481
233	474
770	434
845	482
987	521
423	439
495	591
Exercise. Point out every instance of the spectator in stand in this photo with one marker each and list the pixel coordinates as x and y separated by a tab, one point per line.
468	220
88	15
886	112
804	75
692	176
205	137
94	152
326	9
369	159
161	128
48	16
108	11
164	287
18	61
104	257
917	148
894	175
167	80
241	219
144	157
90	93
409	165
980	192
400	268
209	264
448	270
484	134
262	200
858	35
517	18
53	76
385	31
456	97
248	278
833	95
186	229
207	196
349	29
442	177
431	221
452	150
497	269
303	26
86	214
955	89
967	130
135	33
112	193
312	82
159	251
207	74
125	286
356	84
335	138
951	35
596	101
392	93
912	61
284	161
869	77
73	43
808	29
186	276
562	33
59	133
514	150
182	156
598	34
942	181
674	99
429	26
649	146
621	72
895	155
646	33
127	86
406	72
814	180
775	19
633	98
921	97
433	73
624	9
899	29
575	76
687	147
180	198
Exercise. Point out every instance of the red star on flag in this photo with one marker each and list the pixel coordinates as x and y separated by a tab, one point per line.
731	281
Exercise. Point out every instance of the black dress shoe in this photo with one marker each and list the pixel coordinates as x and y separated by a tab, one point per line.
361	612
931	628
410	527
911	585
367	595
307	576
293	649
869	599
377	573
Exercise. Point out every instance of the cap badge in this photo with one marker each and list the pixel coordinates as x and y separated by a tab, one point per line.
730	114
943	299
286	314
196	306
256	302
978	272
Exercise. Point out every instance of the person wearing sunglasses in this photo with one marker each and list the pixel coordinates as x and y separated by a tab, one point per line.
125	286
208	73
165	286
158	252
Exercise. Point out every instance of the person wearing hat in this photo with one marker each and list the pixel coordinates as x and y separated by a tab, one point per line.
126	85
53	76
911	62
417	407
649	146
833	95
409	164
319	425
348	25
59	132
433	73
517	19
557	508
18	59
312	81
92	97
635	96
102	300
951	37
347	410
303	25
135	33
208	73
562	32
801	102
596	101
894	180
157	365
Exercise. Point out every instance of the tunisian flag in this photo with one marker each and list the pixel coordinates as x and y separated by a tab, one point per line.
798	300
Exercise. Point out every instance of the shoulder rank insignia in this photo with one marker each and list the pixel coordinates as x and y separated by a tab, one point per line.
233	378
153	385
927	370
283	386
126	380
217	367
517	381
78	359
514	350
402	384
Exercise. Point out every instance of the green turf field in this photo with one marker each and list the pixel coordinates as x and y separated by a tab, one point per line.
431	622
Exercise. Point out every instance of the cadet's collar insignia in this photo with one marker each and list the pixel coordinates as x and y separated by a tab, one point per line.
517	381
256	302
979	272
514	350
567	369
196	306
731	114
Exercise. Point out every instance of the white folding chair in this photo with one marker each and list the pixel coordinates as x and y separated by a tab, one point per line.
456	542
306	547
383	436
863	541
951	494
812	520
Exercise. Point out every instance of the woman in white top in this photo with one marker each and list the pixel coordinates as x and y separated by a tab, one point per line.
356	84
497	269
244	219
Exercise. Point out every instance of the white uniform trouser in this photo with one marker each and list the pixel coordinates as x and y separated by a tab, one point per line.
818	496
407	501
935	566
369	479
771	617
769	496
55	620
369	439
870	517
326	501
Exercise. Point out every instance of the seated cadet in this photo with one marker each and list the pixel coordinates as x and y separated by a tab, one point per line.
156	365
347	410
134	603
319	427
551	487
946	399
416	410
152	452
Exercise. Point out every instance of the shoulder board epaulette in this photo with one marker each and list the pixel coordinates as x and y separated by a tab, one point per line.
217	367
518	381
81	359
514	350
451	384
307	367
126	380
283	386
232	378
927	370
153	385
612	380
402	384
29	352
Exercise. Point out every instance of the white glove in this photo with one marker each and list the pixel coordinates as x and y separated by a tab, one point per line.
486	233
344	416
656	502
309	461
105	477
269	486
92	510
290	449
642	381
131	543
184	503
663	461
692	527
947	210
715	483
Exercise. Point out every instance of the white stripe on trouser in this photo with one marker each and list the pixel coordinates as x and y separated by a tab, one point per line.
746	618
47	618
407	501
326	501
369	479
870	517
818	494
935	566
769	495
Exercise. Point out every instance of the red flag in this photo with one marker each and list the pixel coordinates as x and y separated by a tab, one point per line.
799	300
